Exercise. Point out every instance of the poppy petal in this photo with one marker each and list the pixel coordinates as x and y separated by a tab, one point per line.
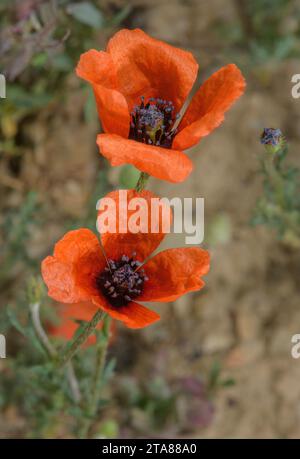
151	68
207	108
119	240
79	311
70	273
133	315
97	68
162	163
174	272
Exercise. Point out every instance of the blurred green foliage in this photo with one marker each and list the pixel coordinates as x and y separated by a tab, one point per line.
40	43
15	230
279	206
266	30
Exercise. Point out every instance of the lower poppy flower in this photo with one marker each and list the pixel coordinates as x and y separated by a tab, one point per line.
119	274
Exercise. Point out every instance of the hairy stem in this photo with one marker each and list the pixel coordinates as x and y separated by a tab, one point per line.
73	383
39	331
142	181
51	351
275	178
91	411
87	331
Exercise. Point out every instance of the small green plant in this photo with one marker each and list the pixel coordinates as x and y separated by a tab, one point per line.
15	230
38	385
279	206
269	28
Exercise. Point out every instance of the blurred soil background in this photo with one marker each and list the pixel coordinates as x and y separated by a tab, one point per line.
219	363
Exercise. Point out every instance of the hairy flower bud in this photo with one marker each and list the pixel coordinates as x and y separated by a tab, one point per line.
272	139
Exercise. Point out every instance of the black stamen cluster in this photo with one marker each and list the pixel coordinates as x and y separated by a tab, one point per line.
122	280
153	123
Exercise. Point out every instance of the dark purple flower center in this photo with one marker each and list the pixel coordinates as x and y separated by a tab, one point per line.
122	280
153	123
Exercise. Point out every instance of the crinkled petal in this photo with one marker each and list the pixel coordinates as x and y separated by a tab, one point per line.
151	68
113	111
162	163
153	223
97	68
208	106
133	315
174	272
70	273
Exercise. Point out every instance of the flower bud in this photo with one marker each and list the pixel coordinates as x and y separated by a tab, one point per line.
272	139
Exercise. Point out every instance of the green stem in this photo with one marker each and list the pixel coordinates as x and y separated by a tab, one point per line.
51	351
39	331
142	181
87	331
73	382
101	350
275	178
279	207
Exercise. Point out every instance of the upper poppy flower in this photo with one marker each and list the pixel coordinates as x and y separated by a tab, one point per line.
118	276
140	85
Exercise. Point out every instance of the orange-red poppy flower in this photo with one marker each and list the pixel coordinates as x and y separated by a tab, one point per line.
68	321
140	85
118	276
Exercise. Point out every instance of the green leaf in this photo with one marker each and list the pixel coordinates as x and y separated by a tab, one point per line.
90	111
109	429
39	60
35	342
228	382
86	13
27	332
214	375
62	62
82	325
25	100
15	322
109	370
121	15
